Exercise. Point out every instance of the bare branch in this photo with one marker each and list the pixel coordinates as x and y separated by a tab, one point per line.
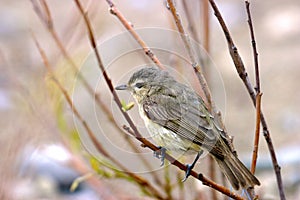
129	26
258	93
134	130
264	124
64	52
239	65
255	54
191	25
186	40
92	136
257	133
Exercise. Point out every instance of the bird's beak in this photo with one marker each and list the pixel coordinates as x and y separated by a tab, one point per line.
121	87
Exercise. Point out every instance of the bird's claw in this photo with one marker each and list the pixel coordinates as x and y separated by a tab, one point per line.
189	167
160	154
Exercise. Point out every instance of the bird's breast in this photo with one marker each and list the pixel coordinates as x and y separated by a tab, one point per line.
166	138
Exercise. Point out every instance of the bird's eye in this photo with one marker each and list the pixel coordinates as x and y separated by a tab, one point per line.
139	85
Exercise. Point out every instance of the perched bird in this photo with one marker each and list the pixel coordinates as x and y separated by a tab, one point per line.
179	121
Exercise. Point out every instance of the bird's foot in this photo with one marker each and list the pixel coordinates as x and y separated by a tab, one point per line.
189	167
160	154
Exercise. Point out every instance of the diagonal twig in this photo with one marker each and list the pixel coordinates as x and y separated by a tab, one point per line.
187	44
97	144
45	16
115	11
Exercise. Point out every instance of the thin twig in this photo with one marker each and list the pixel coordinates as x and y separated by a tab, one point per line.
257	133
243	75
186	40
206	25
258	93
193	30
255	54
191	24
92	136
129	26
133	131
46	18
68	99
212	174
206	41
130	142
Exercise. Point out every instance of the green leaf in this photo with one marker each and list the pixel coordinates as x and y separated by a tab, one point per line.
125	106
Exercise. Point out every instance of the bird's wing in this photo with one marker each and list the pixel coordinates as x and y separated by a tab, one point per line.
192	122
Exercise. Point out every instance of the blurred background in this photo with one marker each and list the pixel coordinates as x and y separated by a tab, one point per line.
44	148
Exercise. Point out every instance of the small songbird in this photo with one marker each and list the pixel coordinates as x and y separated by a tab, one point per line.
179	121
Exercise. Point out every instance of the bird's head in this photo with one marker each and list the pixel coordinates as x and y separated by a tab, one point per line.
146	81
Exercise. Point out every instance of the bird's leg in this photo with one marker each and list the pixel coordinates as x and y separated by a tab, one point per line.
189	167
160	153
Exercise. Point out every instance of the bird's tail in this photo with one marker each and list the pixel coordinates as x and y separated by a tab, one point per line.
236	172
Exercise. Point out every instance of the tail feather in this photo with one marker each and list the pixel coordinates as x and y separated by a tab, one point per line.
229	174
237	173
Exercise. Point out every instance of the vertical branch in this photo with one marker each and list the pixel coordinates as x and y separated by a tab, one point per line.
191	25
239	65
258	110
255	54
256	136
257	87
206	21
206	41
199	73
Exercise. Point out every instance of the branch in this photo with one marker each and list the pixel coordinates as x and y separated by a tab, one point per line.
239	65
191	24
210	103
255	54
129	26
197	69
206	41
131	143
258	93
200	176
187	44
133	131
45	16
97	144
257	130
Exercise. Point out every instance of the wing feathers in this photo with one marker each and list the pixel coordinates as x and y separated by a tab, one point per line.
191	122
